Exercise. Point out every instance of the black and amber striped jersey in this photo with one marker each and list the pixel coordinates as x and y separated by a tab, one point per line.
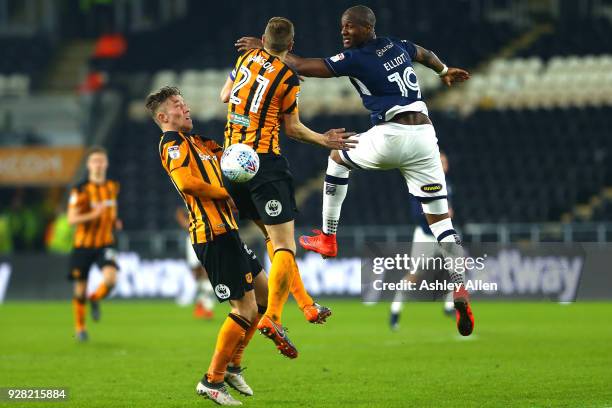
86	196
207	218
264	89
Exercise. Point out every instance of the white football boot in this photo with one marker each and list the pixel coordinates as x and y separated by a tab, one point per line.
217	393
235	379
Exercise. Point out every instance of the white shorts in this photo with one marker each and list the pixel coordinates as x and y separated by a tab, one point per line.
192	260
411	149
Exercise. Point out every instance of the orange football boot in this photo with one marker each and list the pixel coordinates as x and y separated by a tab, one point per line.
278	335
316	313
463	311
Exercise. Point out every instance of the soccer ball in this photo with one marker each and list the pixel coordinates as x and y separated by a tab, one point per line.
239	163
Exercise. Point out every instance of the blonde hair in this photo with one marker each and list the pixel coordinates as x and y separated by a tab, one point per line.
279	34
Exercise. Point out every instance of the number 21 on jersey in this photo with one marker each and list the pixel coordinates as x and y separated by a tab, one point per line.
262	84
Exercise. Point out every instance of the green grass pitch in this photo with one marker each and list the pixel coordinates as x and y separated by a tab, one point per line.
151	354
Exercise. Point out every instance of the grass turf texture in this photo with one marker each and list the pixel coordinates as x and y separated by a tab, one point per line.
153	353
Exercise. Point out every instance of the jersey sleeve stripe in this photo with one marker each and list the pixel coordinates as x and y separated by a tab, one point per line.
204	215
226	206
289	88
291	108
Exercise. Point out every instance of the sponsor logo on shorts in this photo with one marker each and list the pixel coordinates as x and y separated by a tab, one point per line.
249	251
174	152
222	291
249	277
431	188
273	208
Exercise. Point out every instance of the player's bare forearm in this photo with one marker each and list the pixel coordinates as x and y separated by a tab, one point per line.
310	67
428	58
302	134
448	75
333	139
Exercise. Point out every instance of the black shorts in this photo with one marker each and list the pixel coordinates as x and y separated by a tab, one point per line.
230	264
269	196
82	259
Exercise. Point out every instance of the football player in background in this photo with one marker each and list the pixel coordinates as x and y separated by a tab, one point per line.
92	208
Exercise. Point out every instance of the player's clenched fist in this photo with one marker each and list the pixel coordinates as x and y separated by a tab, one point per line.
340	139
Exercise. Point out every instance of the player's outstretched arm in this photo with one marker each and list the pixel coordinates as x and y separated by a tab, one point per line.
448	75
310	67
333	139
191	185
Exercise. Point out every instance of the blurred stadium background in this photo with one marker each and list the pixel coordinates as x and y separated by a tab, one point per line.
528	138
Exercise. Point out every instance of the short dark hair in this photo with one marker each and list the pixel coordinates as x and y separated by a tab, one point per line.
155	99
94	150
279	34
363	15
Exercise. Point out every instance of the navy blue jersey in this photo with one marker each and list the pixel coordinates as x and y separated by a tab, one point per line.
381	71
417	210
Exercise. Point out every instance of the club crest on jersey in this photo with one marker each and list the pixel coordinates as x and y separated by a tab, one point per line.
431	188
174	152
273	208
222	291
337	57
